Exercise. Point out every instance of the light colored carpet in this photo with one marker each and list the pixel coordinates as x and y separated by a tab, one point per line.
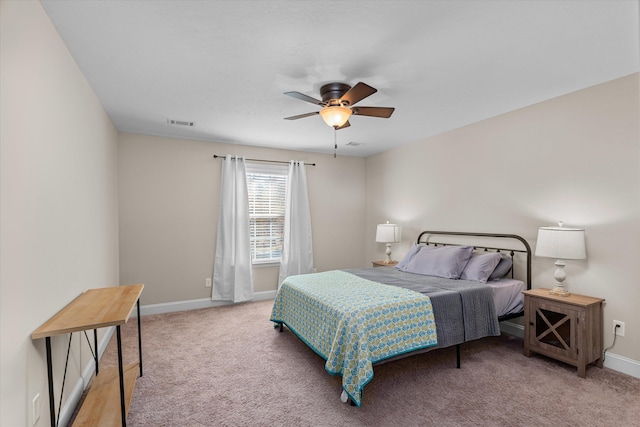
228	366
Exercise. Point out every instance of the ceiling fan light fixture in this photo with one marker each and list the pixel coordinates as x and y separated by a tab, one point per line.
335	116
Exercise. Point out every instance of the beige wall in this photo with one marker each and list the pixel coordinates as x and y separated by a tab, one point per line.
58	203
575	158
169	191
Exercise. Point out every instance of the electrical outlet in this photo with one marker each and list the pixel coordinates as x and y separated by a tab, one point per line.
35	409
620	330
207	282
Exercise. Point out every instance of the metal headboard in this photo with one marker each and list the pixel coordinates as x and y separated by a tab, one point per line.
526	250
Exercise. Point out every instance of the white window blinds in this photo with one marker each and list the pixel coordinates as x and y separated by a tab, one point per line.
266	185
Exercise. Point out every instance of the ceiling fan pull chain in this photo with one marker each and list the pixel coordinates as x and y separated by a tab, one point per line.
335	141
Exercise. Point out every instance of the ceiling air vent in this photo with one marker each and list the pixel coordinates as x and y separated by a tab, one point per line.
181	122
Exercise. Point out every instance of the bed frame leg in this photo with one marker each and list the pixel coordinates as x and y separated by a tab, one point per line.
281	327
458	356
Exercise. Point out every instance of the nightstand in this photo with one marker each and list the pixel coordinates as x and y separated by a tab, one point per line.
568	329
384	263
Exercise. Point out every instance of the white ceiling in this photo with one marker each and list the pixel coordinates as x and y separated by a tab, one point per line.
442	64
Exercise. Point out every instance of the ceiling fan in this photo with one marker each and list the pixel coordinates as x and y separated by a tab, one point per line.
338	100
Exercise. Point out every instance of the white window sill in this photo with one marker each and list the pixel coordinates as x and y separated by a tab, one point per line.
266	264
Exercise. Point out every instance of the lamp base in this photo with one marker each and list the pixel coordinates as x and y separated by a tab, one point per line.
560	289
388	260
559	292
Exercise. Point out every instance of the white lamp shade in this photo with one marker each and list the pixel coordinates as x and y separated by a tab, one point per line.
388	233
561	243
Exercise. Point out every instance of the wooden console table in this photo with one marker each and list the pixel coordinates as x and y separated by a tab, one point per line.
98	308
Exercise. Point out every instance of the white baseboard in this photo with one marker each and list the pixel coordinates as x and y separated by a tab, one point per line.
87	373
194	304
611	361
622	364
70	405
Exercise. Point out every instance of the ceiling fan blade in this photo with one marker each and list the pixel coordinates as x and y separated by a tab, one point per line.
357	93
303	97
345	125
384	112
301	116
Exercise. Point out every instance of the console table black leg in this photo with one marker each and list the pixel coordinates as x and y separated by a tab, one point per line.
52	403
95	346
139	337
123	410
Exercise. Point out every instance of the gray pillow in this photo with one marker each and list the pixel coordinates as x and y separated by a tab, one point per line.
440	261
480	266
503	268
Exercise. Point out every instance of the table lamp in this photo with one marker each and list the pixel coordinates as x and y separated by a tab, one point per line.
388	233
560	243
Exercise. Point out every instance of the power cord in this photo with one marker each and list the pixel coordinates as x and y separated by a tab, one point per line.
615	334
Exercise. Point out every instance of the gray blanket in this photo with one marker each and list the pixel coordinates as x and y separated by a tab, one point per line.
463	310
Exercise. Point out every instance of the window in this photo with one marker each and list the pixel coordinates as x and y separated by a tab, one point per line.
266	185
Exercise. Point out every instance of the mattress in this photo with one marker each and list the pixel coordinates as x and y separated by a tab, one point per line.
507	295
464	310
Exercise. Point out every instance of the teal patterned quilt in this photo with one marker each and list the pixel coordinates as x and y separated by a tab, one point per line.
353	323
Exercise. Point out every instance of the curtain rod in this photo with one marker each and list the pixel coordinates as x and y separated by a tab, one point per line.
215	156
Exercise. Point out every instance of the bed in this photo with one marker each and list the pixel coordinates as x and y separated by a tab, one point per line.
450	288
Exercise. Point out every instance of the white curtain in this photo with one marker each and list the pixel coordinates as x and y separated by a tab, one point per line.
297	251
232	273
